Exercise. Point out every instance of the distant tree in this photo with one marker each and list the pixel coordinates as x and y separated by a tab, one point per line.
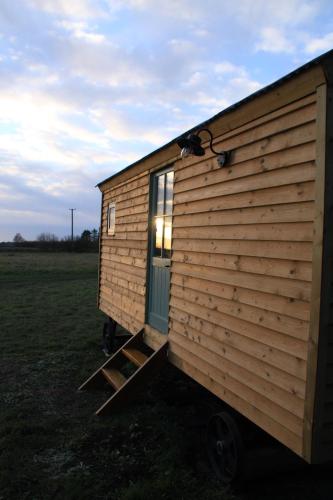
47	237
86	235
18	238
94	235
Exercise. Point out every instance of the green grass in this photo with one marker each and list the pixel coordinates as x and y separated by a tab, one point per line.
51	444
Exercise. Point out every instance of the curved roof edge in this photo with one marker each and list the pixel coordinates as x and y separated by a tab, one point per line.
225	111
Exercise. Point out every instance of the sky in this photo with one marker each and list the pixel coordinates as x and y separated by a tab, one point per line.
89	86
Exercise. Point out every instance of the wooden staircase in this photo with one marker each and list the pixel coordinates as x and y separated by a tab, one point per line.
142	361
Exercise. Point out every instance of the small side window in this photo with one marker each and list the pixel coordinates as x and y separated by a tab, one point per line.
111	219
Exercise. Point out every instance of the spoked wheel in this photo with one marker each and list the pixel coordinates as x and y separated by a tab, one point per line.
225	447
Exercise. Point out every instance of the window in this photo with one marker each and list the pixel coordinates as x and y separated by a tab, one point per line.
163	215
111	218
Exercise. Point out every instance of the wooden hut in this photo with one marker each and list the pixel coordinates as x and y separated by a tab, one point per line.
225	265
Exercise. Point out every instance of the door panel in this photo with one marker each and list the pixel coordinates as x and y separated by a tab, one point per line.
160	250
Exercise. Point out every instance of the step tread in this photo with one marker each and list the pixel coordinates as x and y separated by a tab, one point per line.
114	377
135	356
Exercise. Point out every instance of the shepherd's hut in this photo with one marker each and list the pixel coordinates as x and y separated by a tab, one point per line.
216	253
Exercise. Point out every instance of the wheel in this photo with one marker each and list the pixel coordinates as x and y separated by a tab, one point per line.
224	447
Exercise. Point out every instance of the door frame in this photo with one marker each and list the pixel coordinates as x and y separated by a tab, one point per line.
151	213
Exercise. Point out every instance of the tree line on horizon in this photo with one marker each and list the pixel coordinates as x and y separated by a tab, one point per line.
46	241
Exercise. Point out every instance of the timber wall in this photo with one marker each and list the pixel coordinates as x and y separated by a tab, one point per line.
241	276
242	268
123	256
322	431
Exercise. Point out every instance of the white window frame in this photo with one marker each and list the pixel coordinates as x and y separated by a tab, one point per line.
111	219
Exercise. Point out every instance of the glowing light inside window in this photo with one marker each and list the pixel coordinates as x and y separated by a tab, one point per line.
159	232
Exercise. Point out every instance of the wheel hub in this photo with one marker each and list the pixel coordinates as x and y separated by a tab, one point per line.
220	447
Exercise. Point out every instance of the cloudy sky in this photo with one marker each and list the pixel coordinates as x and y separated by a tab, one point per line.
89	86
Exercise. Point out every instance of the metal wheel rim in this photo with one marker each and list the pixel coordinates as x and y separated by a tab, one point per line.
224	447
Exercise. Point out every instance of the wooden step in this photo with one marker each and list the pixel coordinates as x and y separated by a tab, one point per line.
97	378
114	377
135	356
127	388
139	379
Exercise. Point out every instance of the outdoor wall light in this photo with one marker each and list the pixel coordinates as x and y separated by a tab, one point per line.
191	145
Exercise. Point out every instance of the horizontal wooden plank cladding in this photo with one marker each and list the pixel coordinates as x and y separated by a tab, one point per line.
268	145
301	212
287	345
274	161
137	227
242	267
130	235
300	290
281	177
272	133
275	358
124	254
207	171
107	187
274	130
125	259
228	348
292	231
197	167
284	324
267	301
128	303
132	202
300	251
135	193
247	385
108	271
112	242
130	324
285	149
258	265
136	209
128	187
129	219
292	193
123	282
207	376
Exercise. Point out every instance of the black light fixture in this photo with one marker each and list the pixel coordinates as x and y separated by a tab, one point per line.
191	145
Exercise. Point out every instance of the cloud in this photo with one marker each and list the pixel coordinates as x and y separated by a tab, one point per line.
70	8
89	86
82	31
320	44
281	13
275	41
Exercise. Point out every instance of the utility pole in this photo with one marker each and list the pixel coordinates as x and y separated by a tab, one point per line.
72	213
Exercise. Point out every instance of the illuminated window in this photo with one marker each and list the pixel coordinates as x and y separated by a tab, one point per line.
163	215
111	218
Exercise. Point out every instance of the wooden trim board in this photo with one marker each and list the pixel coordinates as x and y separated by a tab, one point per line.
317	254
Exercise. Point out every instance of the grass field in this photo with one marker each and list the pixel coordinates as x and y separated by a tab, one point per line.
51	444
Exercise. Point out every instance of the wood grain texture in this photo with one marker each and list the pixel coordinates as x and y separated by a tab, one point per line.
241	274
123	257
203	372
241	281
319	408
317	278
